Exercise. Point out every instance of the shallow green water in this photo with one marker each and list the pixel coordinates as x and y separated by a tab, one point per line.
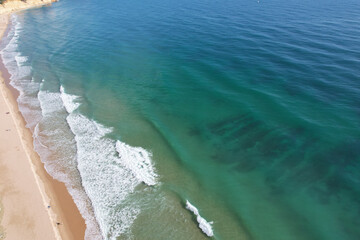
250	110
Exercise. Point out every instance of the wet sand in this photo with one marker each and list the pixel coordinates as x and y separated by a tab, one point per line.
33	204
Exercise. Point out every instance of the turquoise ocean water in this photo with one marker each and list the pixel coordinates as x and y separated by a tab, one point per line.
246	113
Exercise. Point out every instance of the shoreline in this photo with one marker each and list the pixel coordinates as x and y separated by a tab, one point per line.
12	6
45	190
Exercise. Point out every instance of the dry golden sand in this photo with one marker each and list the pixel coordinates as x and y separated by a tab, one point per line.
15	5
26	190
24	214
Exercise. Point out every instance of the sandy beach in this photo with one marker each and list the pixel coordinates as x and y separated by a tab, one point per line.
32	204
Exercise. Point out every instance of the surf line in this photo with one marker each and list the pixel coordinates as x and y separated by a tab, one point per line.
204	225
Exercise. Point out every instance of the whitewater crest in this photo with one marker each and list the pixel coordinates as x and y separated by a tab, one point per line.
100	173
138	161
69	101
108	178
204	225
44	115
20	72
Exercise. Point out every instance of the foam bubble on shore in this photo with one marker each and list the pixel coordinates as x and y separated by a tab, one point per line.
56	146
76	150
204	225
20	76
12	59
45	117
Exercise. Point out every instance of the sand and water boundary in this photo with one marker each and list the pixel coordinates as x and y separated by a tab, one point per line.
33	204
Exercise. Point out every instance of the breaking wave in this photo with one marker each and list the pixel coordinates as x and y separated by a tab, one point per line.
107	178
204	225
100	173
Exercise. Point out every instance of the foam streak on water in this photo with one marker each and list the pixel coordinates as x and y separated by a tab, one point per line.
56	146
138	161
21	77
45	117
99	172
204	225
108	178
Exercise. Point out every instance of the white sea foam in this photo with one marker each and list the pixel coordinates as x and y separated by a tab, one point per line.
36	136
138	161
55	146
50	103
105	181
21	77
76	151
70	101
20	60
12	59
108	178
204	225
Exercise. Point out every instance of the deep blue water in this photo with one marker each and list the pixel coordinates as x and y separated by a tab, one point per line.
249	110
